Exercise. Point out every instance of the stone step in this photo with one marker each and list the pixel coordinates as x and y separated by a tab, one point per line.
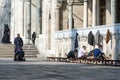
12	56
7	50
13	53
26	52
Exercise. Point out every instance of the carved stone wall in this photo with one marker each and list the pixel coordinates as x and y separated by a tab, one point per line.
5	15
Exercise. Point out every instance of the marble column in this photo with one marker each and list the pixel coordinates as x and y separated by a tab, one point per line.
115	46
39	17
70	20
57	13
113	12
98	12
28	19
85	24
57	19
94	13
55	44
113	15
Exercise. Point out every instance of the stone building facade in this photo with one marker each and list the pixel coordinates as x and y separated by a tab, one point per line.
5	15
56	23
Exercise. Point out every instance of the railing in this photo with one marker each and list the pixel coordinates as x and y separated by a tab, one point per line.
114	29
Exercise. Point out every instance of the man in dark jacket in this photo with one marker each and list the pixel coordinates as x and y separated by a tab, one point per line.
97	53
18	42
33	37
72	54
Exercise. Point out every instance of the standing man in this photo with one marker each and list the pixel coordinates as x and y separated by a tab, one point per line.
18	42
33	37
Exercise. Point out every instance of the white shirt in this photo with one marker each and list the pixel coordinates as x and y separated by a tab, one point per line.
81	52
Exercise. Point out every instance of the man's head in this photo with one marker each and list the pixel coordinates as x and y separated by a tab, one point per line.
99	46
84	47
18	35
75	51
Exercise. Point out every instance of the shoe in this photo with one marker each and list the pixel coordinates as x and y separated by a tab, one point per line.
15	59
23	59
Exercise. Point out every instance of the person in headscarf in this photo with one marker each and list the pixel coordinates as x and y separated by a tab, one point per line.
6	36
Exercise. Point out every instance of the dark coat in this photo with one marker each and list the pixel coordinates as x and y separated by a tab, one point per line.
71	54
98	38
91	38
76	41
33	37
6	36
18	43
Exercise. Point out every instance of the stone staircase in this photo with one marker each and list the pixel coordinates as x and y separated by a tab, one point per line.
7	51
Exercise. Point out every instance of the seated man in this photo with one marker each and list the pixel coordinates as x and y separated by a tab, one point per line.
97	53
72	54
82	52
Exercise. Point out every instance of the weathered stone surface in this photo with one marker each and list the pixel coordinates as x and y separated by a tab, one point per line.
45	70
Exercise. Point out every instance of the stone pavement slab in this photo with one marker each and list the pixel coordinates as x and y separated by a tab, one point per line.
34	69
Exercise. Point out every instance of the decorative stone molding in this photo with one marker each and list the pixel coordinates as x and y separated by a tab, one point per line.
83	39
114	29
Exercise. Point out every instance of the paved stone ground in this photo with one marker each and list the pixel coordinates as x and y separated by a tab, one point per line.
34	69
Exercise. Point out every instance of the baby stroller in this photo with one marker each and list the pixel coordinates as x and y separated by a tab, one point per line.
19	55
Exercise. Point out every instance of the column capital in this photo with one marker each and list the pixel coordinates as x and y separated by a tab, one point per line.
58	4
70	2
85	0
28	0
